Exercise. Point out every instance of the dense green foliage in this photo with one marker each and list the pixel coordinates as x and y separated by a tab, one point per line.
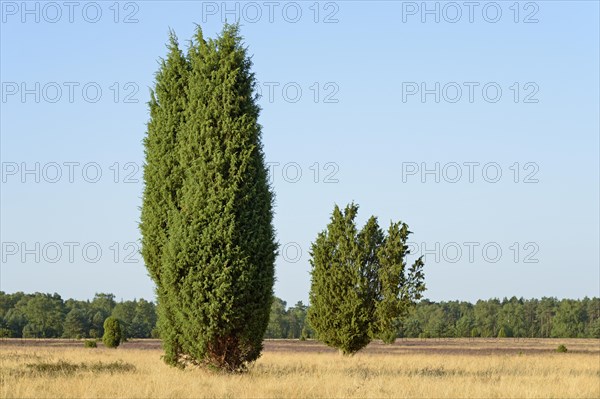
48	316
533	318
208	239
163	178
112	332
522	318
89	344
360	284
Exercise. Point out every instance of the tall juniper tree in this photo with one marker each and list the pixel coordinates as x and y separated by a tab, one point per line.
360	284
163	178
216	270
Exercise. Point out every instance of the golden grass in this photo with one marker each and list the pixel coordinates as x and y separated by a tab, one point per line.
77	372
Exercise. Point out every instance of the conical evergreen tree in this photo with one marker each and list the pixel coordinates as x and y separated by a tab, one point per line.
339	310
360	287
163	176
219	264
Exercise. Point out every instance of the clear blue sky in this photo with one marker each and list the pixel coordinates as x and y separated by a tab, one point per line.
373	130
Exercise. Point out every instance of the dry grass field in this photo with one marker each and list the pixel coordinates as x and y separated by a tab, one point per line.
453	368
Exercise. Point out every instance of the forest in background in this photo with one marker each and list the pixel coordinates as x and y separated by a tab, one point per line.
42	315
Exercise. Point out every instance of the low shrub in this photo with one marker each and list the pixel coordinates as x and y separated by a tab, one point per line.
89	344
561	349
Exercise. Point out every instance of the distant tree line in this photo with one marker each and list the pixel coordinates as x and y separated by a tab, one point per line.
514	317
521	318
288	323
49	316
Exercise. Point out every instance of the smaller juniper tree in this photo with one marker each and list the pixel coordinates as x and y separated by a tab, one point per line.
112	332
360	284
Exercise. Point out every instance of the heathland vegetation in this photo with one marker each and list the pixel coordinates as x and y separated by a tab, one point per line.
411	368
209	244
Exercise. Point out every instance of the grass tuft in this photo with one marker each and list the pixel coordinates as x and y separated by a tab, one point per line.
64	368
